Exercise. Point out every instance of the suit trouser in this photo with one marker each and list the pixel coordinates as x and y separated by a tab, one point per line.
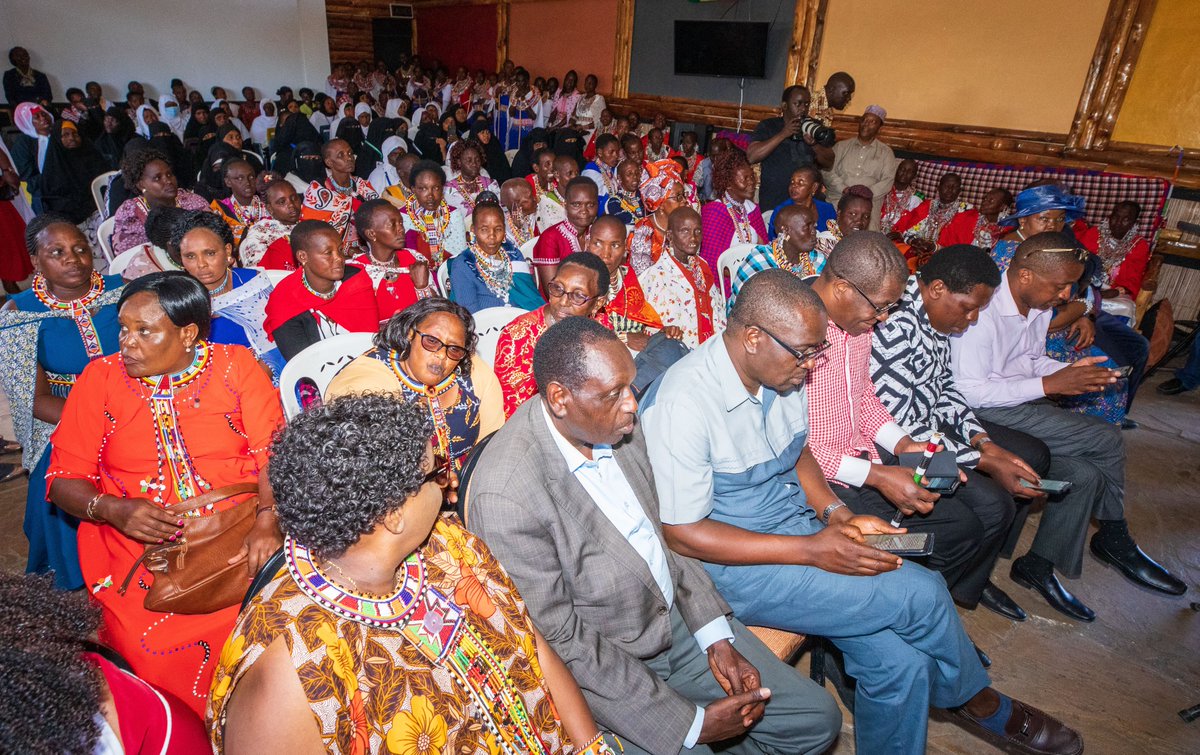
1034	453
969	529
1088	452
899	632
800	717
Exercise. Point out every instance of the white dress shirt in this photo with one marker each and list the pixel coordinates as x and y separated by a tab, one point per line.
1001	359
604	481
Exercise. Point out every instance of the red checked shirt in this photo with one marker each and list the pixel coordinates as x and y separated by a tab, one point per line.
845	414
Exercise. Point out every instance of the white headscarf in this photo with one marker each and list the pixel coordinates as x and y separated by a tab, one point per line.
263	123
393	108
143	128
336	121
23	117
361	108
177	123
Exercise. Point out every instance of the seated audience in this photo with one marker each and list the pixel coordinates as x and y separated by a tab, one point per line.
335	198
802	190
266	243
24	83
742	492
148	176
551	202
980	227
431	227
681	286
63	695
462	191
853	214
903	196
633	148
358	490
118	130
662	193
324	297
71	165
397	275
922	227
794	249
1001	368
588	112
525	161
386	178
48	335
492	272
779	145
657	148
732	218
31	146
692	157
153	257
633	319
239	296
426	355
243	207
520	211
863	160
603	169
624	203
186	422
566	501
857	443
910	368
565	238
578	289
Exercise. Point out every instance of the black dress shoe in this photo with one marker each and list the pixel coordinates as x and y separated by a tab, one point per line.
1059	597
984	659
1131	561
1172	387
1129	424
1031	730
995	599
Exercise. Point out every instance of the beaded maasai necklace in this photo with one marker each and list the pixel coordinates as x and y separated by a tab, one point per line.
495	270
469	191
894	205
433	395
743	232
609	177
173	456
520	231
324	297
247	214
939	215
986	232
78	308
225	284
1112	251
434	625
431	225
629	203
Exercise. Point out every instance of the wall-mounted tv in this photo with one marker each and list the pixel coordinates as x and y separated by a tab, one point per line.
734	49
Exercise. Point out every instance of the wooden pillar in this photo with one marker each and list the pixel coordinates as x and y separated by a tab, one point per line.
803	52
501	33
1109	74
624	49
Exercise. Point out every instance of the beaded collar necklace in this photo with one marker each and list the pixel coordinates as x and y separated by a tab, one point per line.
743	231
433	396
364	608
173	457
521	231
225	284
324	297
78	309
495	270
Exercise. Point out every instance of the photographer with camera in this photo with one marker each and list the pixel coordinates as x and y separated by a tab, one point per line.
784	143
863	159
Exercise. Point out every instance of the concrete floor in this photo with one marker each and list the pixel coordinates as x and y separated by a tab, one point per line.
1120	680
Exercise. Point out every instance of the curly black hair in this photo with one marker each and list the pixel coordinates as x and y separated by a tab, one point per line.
725	165
134	163
209	221
393	334
52	694
41	223
339	469
460	148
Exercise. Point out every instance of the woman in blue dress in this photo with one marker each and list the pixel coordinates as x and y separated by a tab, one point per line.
48	334
492	272
204	245
519	110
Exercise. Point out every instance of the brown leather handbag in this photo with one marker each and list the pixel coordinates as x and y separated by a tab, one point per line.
191	575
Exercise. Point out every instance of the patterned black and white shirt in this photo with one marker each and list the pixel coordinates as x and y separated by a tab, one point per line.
910	366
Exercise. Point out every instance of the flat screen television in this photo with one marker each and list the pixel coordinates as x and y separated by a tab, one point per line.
734	49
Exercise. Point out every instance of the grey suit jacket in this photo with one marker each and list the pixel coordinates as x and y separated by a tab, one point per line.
589	592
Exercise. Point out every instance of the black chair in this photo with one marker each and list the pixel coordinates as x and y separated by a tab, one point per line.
464	475
267	573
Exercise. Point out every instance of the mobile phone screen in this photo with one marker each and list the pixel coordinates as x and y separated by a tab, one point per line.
1050	486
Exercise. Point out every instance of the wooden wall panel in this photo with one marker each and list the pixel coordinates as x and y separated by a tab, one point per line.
350	34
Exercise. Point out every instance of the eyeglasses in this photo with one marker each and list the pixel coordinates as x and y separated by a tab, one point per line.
433	345
555	290
887	309
1080	254
807	355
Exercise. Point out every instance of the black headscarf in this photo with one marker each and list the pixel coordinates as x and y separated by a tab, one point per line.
211	185
568	141
112	146
292	130
372	152
426	141
67	176
309	164
494	159
165	141
522	164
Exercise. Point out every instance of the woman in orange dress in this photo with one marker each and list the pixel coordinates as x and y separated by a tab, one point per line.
168	418
662	192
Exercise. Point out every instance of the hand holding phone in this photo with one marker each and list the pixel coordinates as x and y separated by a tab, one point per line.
1049	486
908	544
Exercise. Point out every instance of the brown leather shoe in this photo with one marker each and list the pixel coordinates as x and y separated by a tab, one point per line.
1031	730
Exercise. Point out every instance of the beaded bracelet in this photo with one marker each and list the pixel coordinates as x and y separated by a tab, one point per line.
90	510
599	747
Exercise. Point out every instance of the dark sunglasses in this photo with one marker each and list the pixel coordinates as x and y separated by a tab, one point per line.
433	345
801	356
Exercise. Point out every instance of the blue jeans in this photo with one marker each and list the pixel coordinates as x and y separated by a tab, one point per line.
1190	374
902	639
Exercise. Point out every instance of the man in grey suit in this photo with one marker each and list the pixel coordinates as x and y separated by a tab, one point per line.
564	497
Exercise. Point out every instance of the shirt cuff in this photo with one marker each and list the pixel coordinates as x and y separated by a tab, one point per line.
890	435
713	632
694	733
853	471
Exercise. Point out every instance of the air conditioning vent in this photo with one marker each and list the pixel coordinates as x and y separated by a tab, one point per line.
402	10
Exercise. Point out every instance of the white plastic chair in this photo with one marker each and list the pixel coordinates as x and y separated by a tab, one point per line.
104	235
443	278
297	182
320	363
527	248
767	218
275	276
729	261
100	191
488	324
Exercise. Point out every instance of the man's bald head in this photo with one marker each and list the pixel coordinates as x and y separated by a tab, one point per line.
513	190
785	216
867	259
773	299
679	215
1049	254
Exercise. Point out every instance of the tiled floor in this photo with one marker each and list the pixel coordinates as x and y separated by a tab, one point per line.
1120	680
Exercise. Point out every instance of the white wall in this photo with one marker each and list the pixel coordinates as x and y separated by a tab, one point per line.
229	43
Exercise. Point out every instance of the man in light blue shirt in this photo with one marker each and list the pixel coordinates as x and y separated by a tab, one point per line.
726	429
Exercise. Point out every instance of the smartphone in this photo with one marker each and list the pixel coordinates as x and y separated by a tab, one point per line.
943	485
909	544
1125	371
1050	486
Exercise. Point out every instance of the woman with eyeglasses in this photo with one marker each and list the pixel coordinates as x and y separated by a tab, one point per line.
424	355
578	289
